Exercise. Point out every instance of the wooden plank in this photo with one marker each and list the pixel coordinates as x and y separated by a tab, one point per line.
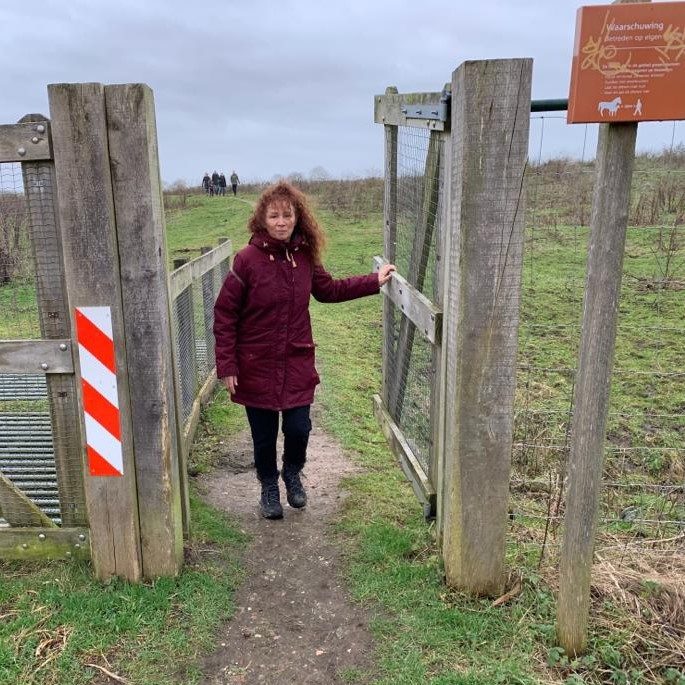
615	159
40	187
17	509
182	277
225	264
137	192
91	259
45	543
410	465
413	304
25	142
207	261
191	423
388	110
389	246
481	314
36	356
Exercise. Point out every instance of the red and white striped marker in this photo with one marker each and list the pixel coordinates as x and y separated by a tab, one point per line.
100	398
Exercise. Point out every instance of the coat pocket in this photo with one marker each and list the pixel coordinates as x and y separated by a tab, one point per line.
255	369
302	373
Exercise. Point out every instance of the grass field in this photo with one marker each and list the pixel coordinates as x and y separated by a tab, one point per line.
56	619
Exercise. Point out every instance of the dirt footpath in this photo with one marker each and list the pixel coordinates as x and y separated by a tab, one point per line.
294	622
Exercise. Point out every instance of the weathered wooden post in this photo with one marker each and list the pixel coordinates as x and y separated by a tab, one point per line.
91	260
141	238
109	197
615	157
489	148
608	226
225	265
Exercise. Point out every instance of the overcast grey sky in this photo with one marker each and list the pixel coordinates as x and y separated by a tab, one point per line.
270	88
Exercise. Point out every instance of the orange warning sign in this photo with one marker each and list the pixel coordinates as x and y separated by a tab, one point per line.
628	63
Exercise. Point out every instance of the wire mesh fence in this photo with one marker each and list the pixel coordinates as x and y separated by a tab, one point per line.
193	323
17	267
411	364
184	331
642	507
39	443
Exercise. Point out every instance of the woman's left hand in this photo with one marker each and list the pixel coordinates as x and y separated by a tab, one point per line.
385	273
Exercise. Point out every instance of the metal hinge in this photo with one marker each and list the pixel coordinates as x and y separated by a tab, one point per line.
437	111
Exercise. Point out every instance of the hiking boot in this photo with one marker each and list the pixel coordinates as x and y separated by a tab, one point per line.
270	502
295	493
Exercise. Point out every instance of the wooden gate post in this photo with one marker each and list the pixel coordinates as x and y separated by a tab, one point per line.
110	203
91	261
141	237
489	148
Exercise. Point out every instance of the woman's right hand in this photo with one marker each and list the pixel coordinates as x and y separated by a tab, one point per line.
231	383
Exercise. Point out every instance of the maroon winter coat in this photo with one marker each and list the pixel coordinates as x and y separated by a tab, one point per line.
262	327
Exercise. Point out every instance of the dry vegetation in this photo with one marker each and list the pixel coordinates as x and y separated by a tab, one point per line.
14	253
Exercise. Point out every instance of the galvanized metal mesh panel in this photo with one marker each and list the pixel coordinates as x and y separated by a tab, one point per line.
193	322
420	160
184	330
27	457
208	290
17	268
37	414
200	291
643	498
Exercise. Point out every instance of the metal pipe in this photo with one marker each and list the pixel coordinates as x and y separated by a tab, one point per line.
548	105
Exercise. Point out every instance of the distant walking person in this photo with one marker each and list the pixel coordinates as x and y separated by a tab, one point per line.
206	182
234	183
215	182
222	184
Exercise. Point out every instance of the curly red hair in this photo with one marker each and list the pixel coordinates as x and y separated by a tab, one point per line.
306	225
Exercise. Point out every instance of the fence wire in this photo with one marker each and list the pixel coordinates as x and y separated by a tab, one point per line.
184	330
193	324
643	500
17	267
420	161
39	443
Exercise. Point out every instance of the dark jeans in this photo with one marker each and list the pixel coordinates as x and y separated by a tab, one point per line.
264	427
234	188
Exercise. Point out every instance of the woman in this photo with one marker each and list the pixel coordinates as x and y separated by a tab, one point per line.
264	346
